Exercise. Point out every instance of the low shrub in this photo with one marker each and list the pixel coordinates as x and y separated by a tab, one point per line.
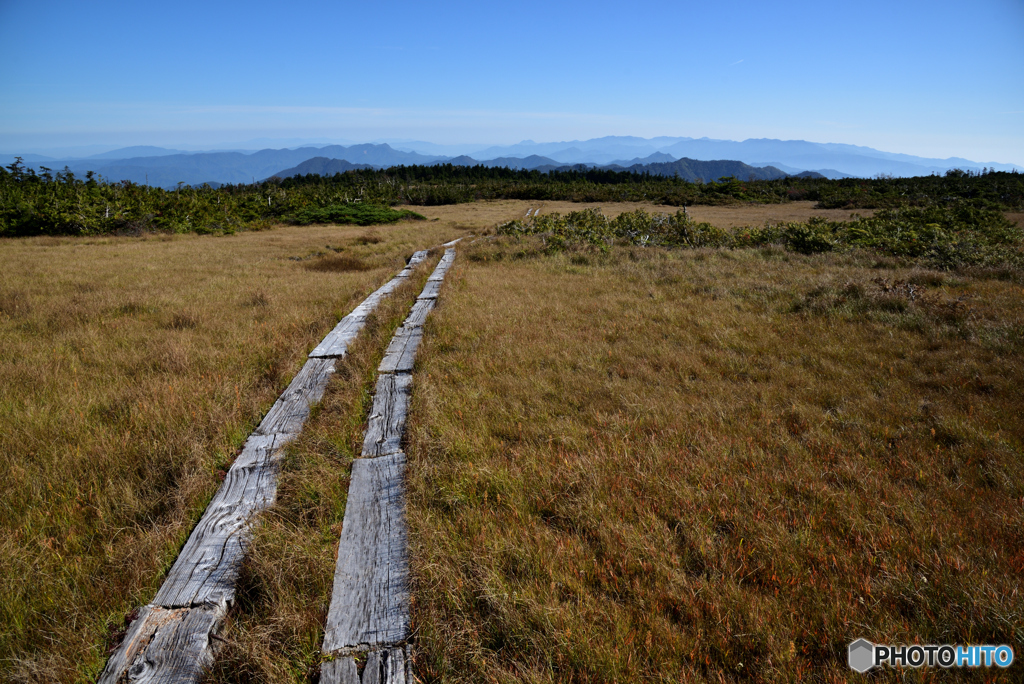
941	237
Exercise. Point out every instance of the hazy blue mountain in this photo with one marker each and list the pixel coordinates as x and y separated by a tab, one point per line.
596	150
136	151
461	160
232	167
441	150
30	159
531	162
694	170
830	159
322	166
847	159
656	158
165	167
793	171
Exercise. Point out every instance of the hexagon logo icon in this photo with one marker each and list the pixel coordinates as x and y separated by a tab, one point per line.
861	655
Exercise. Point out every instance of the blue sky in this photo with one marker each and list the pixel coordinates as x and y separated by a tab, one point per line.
935	79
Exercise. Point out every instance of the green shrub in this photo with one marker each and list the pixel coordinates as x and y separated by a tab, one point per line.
813	237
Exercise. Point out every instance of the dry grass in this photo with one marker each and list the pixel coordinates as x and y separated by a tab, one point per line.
131	370
644	465
480	215
711	466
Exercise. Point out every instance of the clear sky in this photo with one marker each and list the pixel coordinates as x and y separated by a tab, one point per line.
934	78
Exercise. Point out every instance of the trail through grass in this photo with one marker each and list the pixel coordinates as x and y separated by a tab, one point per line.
131	371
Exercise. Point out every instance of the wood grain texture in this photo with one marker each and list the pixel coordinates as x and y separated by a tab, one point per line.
386	423
340	671
207	568
165	646
430	290
337	341
370	598
401	352
442	266
418	314
291	409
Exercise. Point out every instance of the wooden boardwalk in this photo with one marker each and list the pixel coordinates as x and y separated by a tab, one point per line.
369	612
172	640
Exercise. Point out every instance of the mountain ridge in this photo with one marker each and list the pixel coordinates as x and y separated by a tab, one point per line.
166	167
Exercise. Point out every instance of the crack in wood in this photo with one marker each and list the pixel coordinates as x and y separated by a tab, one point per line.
166	645
386	666
386	423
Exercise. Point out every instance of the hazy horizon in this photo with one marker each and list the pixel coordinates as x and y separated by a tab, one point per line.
85	152
935	79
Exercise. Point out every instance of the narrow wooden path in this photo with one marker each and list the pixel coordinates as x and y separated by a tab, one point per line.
172	640
369	612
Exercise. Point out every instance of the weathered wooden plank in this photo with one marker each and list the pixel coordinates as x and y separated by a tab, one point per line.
395	666
337	341
430	290
386	666
165	646
401	352
341	670
171	639
207	568
418	314
449	244
442	266
371	671
387	416
370	598
291	409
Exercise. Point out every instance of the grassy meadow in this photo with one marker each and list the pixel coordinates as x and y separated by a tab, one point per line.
625	464
131	371
713	465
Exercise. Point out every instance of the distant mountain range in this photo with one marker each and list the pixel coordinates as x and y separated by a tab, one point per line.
688	169
322	166
168	167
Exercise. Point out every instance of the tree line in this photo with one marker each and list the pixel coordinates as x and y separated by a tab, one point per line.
60	203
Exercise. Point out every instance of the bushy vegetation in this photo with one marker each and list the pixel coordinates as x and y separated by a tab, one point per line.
943	236
62	204
47	204
447	184
357	214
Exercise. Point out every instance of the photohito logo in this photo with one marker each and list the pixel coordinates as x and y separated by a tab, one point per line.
864	655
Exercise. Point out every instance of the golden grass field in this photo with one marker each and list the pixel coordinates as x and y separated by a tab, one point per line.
639	465
711	466
131	370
